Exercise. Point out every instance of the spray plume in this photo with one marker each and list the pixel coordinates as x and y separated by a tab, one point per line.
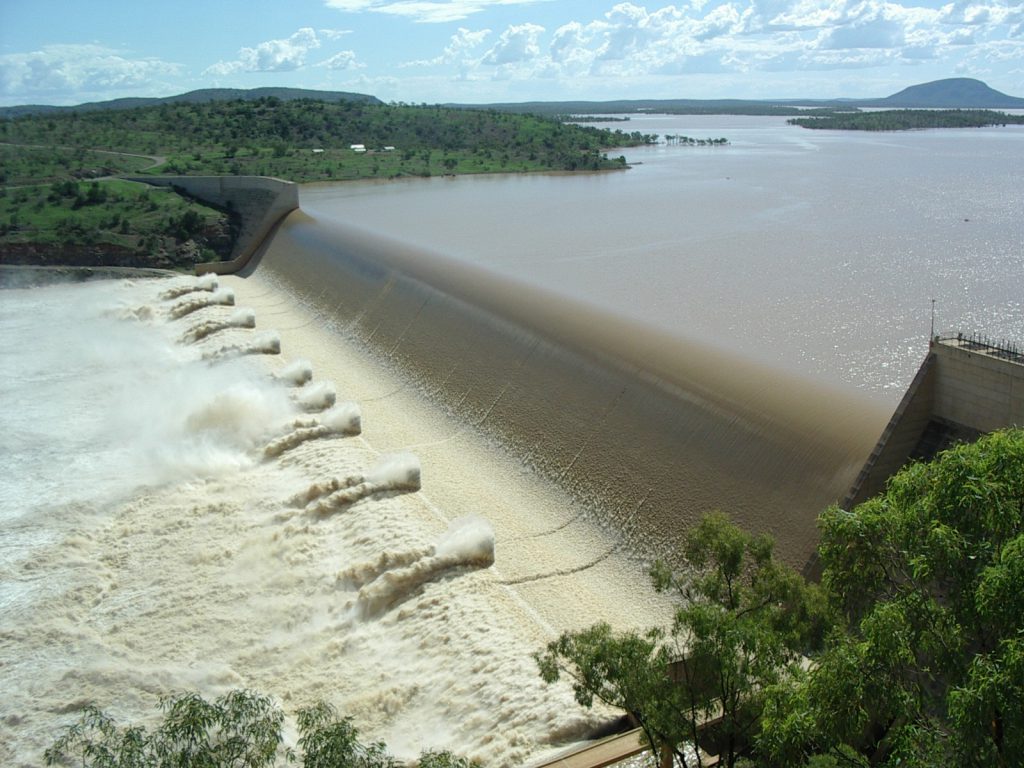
296	373
316	397
237	415
207	282
394	472
268	344
394	576
143	314
240	318
325	488
188	306
344	419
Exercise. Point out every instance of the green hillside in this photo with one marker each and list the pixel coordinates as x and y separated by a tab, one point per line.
953	93
48	216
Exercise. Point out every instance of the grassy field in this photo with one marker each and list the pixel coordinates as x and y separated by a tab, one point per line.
108	222
38	164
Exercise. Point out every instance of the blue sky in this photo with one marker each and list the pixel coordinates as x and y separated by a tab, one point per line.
475	51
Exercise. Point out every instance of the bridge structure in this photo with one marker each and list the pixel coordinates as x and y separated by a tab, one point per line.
615	749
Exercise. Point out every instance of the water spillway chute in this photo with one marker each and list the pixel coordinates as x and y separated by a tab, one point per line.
650	428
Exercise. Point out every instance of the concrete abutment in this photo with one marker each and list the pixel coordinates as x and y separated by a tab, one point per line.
260	201
963	389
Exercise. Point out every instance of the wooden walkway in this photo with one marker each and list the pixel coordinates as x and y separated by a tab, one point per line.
609	751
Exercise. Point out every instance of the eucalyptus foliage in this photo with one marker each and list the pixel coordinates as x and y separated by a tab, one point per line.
743	619
241	729
930	576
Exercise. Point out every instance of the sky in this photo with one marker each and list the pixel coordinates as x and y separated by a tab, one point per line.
481	51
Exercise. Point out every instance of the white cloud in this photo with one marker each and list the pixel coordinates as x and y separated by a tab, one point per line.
350	6
516	44
79	72
271	56
425	11
631	43
458	51
333	34
342	60
870	33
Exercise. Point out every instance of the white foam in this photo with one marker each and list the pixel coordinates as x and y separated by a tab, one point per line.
242	318
317	396
156	555
396	470
468	543
469	540
343	418
194	304
297	372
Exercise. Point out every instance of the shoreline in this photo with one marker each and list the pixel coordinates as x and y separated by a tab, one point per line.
36	275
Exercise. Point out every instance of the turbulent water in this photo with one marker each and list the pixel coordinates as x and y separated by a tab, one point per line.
382	470
183	515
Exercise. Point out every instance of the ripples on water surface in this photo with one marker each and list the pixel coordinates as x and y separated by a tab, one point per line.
816	250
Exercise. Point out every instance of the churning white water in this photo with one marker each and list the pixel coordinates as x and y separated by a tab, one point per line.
152	542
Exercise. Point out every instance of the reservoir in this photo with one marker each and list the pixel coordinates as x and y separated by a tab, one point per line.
815	250
576	365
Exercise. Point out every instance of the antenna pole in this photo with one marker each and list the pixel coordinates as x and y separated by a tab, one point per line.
932	337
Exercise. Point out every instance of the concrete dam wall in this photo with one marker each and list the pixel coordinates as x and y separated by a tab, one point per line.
964	388
260	203
648	430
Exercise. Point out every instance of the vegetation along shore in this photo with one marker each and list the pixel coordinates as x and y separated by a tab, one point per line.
59	202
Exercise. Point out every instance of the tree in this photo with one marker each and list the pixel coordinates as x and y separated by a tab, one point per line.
930	577
329	742
241	729
742	623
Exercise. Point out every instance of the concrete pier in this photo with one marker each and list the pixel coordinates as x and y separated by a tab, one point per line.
965	387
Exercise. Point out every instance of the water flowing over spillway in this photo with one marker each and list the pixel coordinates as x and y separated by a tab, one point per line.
180	521
648	428
392	522
369	474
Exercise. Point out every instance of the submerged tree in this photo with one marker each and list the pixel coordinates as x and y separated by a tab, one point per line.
743	621
930	575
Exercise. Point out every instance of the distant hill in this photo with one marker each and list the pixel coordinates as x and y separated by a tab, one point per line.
951	93
641	106
197	97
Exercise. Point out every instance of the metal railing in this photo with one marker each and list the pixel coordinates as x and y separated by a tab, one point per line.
977	342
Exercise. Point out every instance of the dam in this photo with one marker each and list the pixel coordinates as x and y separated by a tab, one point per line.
187	510
646	428
263	527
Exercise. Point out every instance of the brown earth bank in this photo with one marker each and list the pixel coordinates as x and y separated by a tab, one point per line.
167	255
34	276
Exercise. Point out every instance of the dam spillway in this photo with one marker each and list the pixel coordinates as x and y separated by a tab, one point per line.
190	567
647	430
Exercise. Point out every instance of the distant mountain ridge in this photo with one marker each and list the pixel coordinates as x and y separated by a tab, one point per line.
197	97
950	93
